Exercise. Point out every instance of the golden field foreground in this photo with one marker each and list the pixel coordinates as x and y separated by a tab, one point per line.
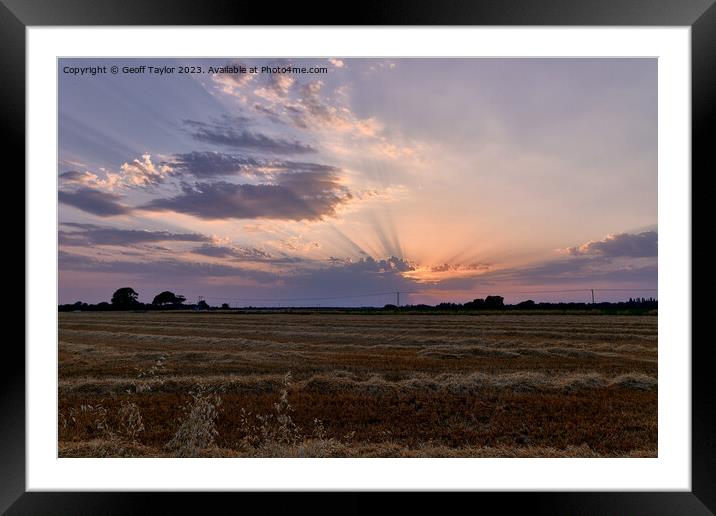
223	384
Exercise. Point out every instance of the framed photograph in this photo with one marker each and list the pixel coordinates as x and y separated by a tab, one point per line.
434	250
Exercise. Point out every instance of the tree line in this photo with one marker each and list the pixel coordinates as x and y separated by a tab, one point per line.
126	298
641	304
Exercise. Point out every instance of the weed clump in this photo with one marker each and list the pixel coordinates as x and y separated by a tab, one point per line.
130	421
140	384
197	430
277	427
275	434
87	419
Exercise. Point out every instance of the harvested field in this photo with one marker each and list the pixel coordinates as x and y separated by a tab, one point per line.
228	384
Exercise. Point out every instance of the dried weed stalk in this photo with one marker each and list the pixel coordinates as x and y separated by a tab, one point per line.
197	430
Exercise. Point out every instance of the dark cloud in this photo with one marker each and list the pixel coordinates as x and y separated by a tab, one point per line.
297	117
229	133
296	196
209	164
90	234
216	164
301	166
583	269
217	251
622	245
223	120
311	100
269	113
343	277
619	259
392	264
102	204
311	110
306	279
170	271
75	177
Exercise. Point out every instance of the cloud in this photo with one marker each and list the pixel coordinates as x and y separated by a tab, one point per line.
209	164
312	110
215	164
384	64
338	63
73	179
622	259
390	265
226	132
281	83
457	267
579	270
170	271
303	105
90	234
585	270
143	172
138	172
353	278
269	113
622	244
299	244
305	278
102	204
233	83
271	86
296	196
217	251
278	86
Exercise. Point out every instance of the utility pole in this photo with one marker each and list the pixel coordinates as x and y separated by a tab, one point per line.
592	296
397	295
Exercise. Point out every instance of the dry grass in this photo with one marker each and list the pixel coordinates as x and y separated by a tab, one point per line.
211	384
197	430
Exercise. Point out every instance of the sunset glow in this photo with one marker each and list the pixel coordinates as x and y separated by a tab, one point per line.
443	179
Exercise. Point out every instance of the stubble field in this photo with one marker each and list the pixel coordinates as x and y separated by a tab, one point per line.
222	384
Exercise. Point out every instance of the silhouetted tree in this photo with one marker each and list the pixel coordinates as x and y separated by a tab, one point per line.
202	305
493	302
168	298
125	297
225	306
475	304
526	304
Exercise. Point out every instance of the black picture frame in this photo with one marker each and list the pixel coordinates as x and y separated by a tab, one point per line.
700	15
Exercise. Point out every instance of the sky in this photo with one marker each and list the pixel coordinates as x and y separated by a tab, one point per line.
340	181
